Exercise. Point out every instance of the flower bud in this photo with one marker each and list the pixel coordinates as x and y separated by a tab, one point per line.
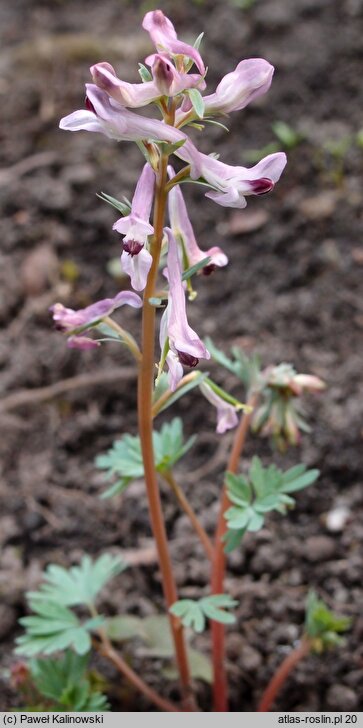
163	74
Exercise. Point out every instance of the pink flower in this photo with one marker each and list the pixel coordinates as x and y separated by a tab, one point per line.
166	81
164	37
232	184
185	346
103	114
183	231
226	413
77	322
250	79
136	259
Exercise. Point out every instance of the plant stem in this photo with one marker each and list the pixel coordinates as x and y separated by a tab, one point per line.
279	678
159	404
220	695
185	505
128	340
106	649
145	392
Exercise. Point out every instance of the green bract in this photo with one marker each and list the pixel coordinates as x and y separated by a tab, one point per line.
124	459
193	613
264	490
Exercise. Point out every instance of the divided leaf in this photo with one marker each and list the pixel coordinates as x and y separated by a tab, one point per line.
53	628
65	681
124	459
79	584
193	613
265	490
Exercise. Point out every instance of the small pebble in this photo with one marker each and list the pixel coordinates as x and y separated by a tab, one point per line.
340	697
319	548
336	519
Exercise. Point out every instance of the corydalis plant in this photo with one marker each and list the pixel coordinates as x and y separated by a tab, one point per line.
173	86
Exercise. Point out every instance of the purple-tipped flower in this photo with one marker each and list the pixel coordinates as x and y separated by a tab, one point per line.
185	346
232	184
182	230
136	259
76	323
103	114
250	79
168	79
164	37
133	95
227	417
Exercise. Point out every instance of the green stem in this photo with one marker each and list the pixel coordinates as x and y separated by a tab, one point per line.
126	338
220	693
145	393
185	505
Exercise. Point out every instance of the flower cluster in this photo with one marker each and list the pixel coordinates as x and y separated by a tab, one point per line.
172	79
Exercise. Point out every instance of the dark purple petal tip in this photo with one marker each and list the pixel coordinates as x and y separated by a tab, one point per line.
132	247
187	359
261	186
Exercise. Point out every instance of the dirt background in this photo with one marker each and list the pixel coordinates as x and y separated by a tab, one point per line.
291	291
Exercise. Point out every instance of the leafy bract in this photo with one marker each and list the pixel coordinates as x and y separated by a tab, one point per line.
124	459
197	101
123	207
193	613
264	490
66	683
322	626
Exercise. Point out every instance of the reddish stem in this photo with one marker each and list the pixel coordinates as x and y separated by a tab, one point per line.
145	420
220	694
282	673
